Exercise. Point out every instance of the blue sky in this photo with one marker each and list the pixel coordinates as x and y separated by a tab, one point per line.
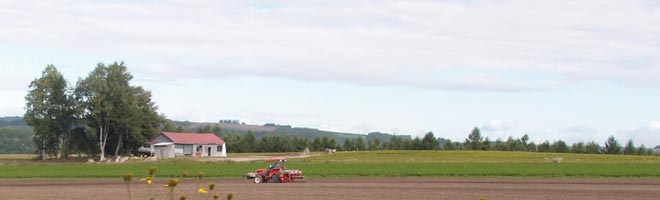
578	71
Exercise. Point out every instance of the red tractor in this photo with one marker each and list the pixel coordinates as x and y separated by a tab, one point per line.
276	173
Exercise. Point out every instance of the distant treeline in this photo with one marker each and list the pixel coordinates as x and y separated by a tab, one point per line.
474	141
18	139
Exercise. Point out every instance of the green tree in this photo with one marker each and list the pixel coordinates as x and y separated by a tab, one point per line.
629	149
612	146
169	126
325	143
449	145
249	143
93	94
560	147
592	148
205	129
544	147
118	112
376	145
531	147
416	144
317	145
50	111
233	142
524	139
642	150
429	142
348	145
473	141
578	148
16	140
360	144
332	143
145	120
486	144
217	130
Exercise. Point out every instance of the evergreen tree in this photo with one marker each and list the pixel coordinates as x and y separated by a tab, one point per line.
629	149
560	147
348	145
360	145
612	146
473	142
429	142
592	148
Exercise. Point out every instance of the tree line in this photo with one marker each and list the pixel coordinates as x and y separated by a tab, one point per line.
475	141
238	143
102	114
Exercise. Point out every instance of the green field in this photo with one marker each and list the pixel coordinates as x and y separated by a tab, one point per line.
366	164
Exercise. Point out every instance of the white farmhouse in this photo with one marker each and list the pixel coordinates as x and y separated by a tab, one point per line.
169	145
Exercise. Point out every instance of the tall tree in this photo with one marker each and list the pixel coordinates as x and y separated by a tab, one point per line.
360	144
429	142
249	143
612	146
374	144
560	147
348	145
146	123
592	148
630	149
93	94
50	110
125	114
474	140
118	112
544	147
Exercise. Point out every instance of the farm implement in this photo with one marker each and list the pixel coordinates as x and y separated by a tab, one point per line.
276	173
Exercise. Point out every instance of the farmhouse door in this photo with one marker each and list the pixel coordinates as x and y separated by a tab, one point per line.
209	150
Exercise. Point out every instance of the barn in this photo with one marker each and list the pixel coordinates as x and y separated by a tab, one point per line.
170	144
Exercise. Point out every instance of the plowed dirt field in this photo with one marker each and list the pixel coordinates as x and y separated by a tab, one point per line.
345	188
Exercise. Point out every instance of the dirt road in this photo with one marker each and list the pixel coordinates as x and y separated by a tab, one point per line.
345	188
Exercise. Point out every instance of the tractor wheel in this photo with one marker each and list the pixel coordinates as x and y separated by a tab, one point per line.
258	179
276	178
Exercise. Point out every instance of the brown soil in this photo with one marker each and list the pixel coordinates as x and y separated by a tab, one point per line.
344	188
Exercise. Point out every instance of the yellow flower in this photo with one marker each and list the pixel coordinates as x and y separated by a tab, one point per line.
183	198
216	196
202	191
128	177
148	179
185	175
172	183
212	186
230	196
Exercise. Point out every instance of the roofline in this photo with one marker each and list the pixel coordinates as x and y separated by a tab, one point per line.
163	133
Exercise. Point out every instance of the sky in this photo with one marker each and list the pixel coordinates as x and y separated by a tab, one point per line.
579	70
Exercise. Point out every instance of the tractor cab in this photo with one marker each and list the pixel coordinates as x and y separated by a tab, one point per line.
275	173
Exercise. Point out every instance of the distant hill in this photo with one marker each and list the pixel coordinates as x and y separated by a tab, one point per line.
228	127
12	121
15	136
235	127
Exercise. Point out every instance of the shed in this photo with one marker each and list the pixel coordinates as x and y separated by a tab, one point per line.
189	144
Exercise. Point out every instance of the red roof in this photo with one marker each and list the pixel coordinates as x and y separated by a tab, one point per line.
194	138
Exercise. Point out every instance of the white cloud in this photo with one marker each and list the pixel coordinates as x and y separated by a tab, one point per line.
495	125
649	134
654	125
455	45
